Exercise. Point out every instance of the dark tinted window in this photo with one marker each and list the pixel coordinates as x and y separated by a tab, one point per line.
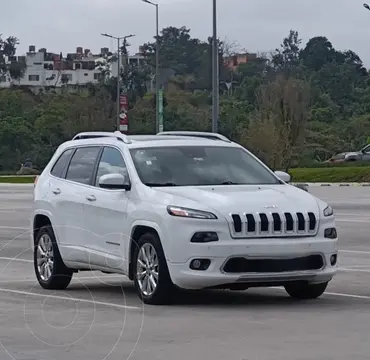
82	164
111	162
61	164
199	165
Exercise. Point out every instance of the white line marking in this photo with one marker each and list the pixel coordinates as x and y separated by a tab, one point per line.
339	213
14	227
354	221
28	208
358	266
348	295
354	270
334	294
15	259
355	251
10	280
27	293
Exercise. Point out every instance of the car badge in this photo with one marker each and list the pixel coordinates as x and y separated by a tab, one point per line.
270	206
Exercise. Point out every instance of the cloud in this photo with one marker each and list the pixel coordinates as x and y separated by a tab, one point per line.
256	25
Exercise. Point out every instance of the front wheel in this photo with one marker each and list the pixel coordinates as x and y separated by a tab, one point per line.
306	291
151	276
50	270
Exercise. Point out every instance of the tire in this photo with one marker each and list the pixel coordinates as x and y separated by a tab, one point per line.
164	290
305	291
60	276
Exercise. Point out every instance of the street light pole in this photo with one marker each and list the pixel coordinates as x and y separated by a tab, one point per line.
118	109
156	63
118	73
215	73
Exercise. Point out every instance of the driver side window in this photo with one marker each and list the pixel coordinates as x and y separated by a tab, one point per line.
111	162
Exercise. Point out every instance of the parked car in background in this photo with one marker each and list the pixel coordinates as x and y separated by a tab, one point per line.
361	155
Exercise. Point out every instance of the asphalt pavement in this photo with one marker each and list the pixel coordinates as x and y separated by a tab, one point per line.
100	316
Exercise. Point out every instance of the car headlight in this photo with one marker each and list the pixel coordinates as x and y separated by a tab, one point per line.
189	213
328	211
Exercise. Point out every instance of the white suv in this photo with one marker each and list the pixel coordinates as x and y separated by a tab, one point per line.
178	210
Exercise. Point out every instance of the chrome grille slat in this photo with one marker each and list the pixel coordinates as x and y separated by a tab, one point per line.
273	224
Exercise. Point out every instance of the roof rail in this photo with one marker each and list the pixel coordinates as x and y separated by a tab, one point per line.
99	134
207	135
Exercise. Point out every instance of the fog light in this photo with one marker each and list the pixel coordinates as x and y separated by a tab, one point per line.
200	264
196	264
333	259
330	233
204	237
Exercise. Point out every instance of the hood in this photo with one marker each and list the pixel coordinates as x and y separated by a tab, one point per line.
245	198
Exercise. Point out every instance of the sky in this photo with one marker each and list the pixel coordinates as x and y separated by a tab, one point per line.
254	25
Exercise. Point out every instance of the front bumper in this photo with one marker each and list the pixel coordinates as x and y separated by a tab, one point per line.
218	253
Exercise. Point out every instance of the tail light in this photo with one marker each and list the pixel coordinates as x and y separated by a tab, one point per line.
35	181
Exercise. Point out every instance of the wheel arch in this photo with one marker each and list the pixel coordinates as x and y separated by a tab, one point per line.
138	230
41	219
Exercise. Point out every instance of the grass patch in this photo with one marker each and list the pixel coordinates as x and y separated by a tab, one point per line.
331	174
17	179
338	174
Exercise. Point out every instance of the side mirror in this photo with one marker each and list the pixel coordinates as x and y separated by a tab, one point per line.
114	181
282	175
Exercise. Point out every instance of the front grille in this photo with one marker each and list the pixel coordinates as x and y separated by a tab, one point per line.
245	265
274	224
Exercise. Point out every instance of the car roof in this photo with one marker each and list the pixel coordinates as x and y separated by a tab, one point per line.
141	141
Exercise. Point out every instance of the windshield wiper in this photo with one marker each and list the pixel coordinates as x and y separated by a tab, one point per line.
159	184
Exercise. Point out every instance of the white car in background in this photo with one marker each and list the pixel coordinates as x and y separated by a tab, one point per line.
181	209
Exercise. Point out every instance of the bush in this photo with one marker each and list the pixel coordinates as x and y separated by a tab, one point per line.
339	174
331	174
17	179
28	171
335	165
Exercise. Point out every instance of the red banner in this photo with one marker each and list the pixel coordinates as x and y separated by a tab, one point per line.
123	115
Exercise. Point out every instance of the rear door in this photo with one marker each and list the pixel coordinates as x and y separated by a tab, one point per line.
79	178
57	188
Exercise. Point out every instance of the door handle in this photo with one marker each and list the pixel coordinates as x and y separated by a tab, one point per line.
56	191
91	198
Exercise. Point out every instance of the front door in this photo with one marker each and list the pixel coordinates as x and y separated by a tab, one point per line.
106	216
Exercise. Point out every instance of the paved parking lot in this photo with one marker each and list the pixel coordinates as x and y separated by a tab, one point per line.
100	317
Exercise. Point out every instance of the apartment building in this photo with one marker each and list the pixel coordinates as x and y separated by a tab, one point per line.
45	69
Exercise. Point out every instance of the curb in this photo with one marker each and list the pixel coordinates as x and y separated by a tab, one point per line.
15	175
333	184
295	184
16	184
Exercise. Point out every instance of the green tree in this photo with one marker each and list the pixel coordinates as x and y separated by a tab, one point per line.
134	77
287	57
177	50
10	70
277	132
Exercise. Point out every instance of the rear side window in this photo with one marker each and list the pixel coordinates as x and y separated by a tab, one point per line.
82	165
61	164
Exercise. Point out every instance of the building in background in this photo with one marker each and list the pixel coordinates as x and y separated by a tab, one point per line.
233	61
49	70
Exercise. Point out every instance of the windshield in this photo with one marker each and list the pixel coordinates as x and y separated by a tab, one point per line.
199	165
